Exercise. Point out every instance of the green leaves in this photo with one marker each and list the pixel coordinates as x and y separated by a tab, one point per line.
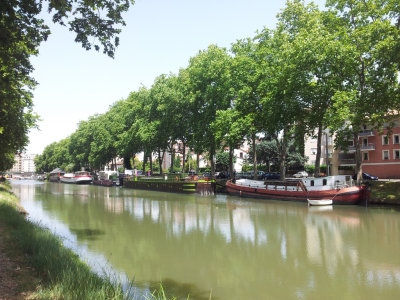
96	24
316	69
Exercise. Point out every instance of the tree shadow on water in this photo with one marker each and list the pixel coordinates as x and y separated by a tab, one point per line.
87	234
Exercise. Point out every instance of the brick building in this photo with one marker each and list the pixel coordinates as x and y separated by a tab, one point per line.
380	153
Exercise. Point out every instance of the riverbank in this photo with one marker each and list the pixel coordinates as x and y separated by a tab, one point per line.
385	192
35	265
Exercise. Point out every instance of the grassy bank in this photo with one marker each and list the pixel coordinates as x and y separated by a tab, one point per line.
385	192
61	273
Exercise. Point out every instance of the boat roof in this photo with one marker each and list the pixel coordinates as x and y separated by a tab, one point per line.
57	170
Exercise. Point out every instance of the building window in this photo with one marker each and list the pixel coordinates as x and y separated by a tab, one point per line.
396	139
385	140
396	154
365	142
241	155
365	156
385	155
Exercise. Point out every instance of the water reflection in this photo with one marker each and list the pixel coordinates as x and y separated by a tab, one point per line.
231	248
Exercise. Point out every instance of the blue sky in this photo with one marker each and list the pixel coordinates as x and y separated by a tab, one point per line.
160	37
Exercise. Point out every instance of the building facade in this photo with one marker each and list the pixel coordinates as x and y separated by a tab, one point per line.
380	151
24	163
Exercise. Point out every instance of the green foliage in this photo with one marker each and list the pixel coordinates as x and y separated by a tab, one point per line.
177	163
310	169
209	82
222	161
55	155
370	68
315	70
268	154
22	31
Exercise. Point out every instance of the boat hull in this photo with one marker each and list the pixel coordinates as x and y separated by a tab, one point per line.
320	202
348	195
68	180
186	187
77	179
83	179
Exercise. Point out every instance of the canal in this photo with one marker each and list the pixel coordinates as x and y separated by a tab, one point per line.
223	247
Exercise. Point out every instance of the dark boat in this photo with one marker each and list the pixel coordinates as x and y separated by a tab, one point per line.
340	189
172	183
55	175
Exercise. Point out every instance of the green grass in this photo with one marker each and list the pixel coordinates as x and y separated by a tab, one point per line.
63	275
385	192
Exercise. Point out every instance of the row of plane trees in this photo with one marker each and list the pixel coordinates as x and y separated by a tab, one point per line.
336	68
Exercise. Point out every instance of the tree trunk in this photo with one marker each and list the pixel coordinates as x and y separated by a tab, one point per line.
255	157
197	163
318	157
212	158
144	162
160	160
282	154
172	157
231	172
183	158
151	163
358	158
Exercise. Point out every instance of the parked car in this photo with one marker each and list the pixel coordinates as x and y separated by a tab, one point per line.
366	176
269	176
301	174
220	175
207	174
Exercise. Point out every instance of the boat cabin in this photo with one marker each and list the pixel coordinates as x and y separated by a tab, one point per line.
328	182
304	184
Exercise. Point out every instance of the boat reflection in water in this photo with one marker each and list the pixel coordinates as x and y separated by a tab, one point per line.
236	249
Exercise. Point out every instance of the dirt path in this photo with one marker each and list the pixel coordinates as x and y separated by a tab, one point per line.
17	280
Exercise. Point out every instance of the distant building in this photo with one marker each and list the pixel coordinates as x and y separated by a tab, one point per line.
310	149
24	163
241	155
380	152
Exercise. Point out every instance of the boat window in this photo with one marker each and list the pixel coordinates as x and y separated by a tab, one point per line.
312	182
324	181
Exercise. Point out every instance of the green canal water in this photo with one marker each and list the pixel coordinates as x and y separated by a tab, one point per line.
224	247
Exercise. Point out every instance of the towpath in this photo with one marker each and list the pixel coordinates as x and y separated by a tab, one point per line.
17	280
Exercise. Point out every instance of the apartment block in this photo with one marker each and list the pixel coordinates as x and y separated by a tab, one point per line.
380	152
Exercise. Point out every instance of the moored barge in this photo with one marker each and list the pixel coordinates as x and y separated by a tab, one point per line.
340	189
172	183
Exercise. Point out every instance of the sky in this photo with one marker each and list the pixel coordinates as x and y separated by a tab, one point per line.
160	37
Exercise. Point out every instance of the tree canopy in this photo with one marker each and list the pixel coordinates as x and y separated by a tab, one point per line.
96	24
335	69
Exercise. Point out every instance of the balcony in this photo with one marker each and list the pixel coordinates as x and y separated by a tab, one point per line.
365	133
364	147
347	159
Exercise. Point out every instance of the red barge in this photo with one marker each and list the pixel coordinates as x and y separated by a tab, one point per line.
340	189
